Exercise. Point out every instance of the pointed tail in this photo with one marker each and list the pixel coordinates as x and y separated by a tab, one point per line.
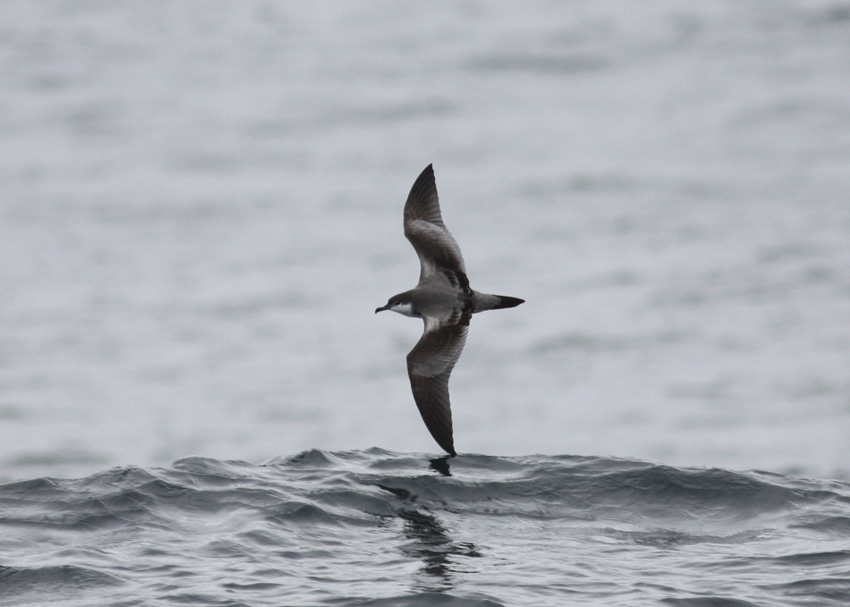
483	301
507	302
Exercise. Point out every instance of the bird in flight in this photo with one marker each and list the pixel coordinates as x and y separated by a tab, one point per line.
444	300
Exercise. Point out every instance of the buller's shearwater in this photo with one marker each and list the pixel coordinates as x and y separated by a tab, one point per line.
444	300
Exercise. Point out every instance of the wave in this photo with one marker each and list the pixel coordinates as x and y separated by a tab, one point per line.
343	527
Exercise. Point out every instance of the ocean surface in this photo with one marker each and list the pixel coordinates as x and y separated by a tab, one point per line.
386	529
200	210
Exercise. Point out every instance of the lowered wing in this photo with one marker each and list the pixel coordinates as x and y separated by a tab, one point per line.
429	365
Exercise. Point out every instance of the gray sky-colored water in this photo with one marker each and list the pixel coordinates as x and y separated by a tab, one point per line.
201	209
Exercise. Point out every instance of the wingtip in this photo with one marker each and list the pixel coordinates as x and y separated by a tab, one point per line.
423	201
427	174
446	443
448	447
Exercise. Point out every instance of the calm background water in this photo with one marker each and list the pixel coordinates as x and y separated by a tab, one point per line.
200	209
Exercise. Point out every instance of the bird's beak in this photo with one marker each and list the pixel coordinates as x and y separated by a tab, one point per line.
381	309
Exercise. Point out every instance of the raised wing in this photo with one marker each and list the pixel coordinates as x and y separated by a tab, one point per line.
424	228
429	365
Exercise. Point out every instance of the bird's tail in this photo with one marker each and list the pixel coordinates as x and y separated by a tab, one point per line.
484	302
507	302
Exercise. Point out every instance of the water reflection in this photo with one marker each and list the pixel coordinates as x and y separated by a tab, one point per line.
441	465
429	540
431	543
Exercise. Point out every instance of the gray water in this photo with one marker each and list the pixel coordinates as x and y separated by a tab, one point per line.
386	529
201	208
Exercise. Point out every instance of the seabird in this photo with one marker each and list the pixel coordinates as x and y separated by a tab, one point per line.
444	300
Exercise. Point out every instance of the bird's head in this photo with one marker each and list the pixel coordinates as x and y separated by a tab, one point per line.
399	303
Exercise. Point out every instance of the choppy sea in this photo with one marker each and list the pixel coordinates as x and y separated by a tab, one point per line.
380	528
200	210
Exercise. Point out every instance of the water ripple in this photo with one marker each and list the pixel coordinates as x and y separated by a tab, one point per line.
379	528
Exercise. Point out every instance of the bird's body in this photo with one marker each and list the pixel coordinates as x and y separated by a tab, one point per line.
444	300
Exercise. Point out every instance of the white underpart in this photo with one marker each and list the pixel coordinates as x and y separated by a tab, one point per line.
403	308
